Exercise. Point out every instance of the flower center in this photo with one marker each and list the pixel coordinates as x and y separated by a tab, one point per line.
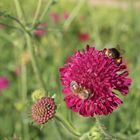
40	111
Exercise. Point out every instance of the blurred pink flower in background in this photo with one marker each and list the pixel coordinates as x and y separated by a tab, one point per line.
41	30
17	71
15	138
55	17
4	82
65	15
84	36
98	75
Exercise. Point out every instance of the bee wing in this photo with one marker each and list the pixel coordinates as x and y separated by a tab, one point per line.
121	50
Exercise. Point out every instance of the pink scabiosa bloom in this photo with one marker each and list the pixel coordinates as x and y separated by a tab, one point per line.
89	78
55	17
41	30
4	83
84	36
66	15
43	110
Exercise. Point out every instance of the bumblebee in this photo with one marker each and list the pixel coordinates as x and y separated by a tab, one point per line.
114	53
80	91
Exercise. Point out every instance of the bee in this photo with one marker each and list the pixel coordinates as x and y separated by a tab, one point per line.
115	53
80	91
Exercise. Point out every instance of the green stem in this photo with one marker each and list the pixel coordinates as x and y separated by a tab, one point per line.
37	12
14	19
9	26
46	10
58	130
17	21
34	62
23	66
23	81
73	14
23	69
85	136
29	44
68	126
7	37
103	131
24	97
19	10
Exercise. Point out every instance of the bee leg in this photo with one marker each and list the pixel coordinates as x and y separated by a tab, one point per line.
118	61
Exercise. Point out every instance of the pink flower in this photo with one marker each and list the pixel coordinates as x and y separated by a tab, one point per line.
65	15
55	17
94	76
84	36
43	110
41	30
4	83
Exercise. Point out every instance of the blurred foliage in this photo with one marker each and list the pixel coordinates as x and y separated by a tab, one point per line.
106	27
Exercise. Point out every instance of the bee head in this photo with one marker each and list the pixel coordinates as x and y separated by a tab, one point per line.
74	85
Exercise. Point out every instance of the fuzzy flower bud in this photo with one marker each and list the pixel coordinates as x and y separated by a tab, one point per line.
93	134
19	105
38	94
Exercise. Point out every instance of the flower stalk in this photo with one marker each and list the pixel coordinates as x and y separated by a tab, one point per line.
102	130
46	9
37	12
73	14
23	81
34	62
23	70
97	132
67	125
19	10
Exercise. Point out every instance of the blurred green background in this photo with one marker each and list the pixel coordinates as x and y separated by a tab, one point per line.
70	26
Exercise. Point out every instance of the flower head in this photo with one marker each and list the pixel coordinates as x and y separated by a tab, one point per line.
4	83
43	110
84	36
89	78
55	17
41	30
66	15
